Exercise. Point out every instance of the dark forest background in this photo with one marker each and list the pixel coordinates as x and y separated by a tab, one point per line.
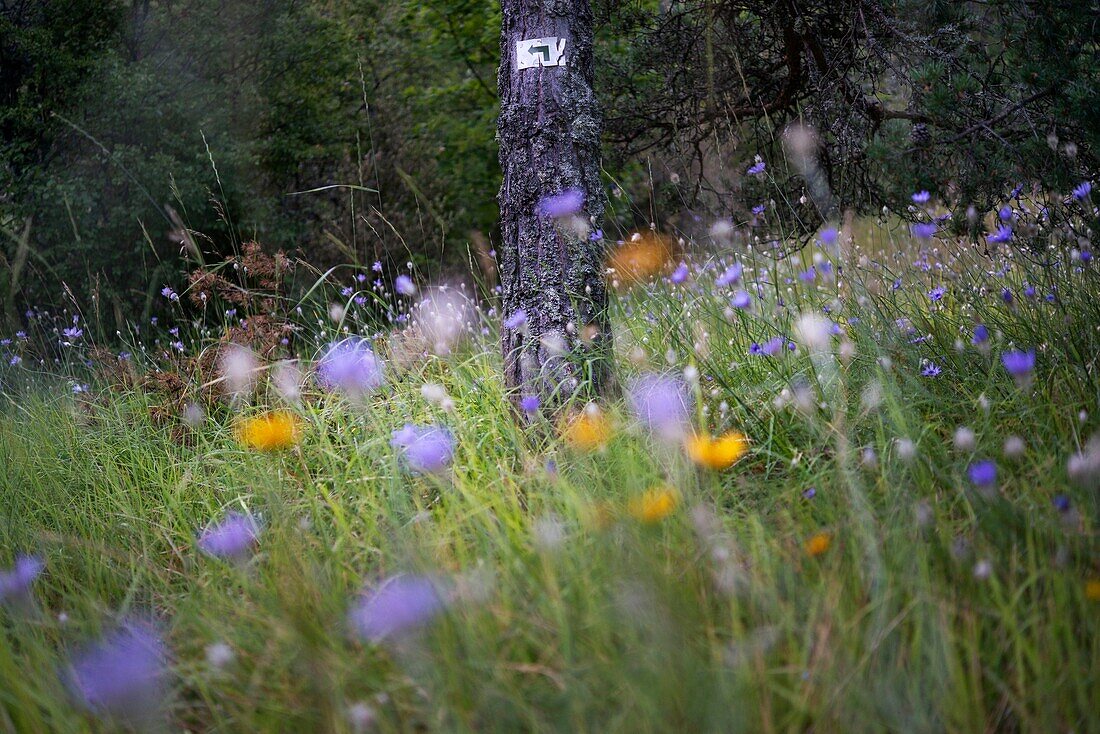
139	137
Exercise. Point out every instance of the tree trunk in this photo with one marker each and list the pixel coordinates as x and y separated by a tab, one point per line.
551	261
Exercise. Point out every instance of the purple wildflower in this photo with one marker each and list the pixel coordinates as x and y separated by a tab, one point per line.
123	676
983	473
232	538
530	403
756	168
810	493
1018	363
759	209
396	606
516	320
772	347
931	370
168	293
1082	190
924	230
662	404
404	285
731	275
741	299
981	335
1005	213
350	366
921	197
829	236
72	332
564	204
377	266
936	293
1002	235
15	584
425	449
680	274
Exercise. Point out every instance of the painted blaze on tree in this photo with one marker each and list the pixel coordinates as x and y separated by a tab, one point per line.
555	335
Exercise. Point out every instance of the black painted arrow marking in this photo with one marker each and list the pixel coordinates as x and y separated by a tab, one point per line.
544	50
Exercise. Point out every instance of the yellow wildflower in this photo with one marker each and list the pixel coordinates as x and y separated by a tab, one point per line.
717	453
818	544
643	256
1092	589
655	504
588	430
270	431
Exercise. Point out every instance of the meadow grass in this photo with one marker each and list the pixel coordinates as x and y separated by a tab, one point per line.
845	575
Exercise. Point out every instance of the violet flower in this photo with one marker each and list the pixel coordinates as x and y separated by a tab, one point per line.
425	449
396	607
662	404
232	538
350	366
564	204
123	676
15	584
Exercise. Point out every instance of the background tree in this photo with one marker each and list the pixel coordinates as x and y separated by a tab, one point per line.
555	336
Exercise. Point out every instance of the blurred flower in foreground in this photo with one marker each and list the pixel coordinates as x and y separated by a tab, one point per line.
983	473
730	275
1020	365
813	331
426	449
396	606
655	504
350	366
123	676
588	430
1084	467
717	453
662	404
15	584
404	285
641	258
817	544
269	432
232	538
238	367
680	274
564	204
442	316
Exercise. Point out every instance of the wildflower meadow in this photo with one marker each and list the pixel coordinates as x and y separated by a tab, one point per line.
846	486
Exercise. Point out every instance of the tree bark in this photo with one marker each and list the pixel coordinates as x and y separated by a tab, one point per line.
551	266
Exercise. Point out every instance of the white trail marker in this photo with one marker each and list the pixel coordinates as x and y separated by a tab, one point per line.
534	52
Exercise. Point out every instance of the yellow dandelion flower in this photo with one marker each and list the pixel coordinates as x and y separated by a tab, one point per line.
270	431
588	430
818	544
717	453
655	504
1092	589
